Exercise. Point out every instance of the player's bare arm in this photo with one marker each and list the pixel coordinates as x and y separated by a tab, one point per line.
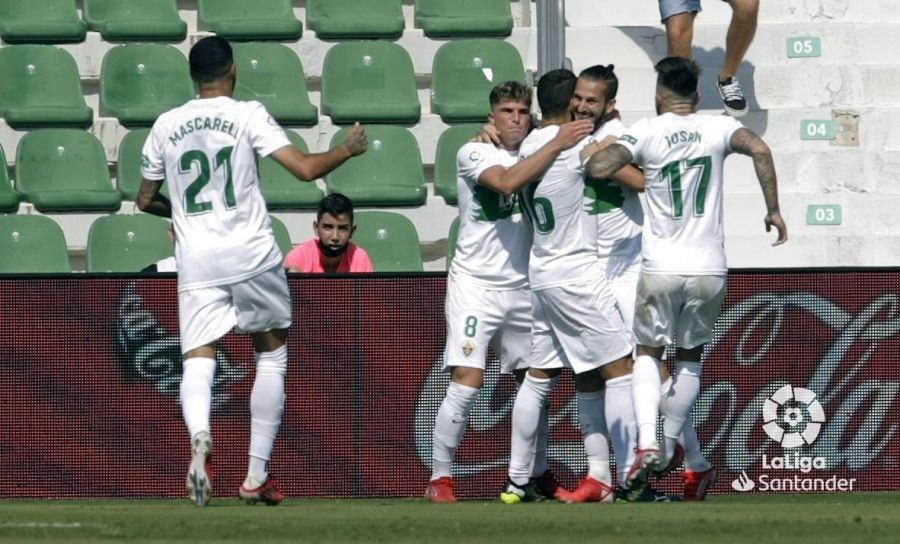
151	201
745	142
315	165
509	180
604	163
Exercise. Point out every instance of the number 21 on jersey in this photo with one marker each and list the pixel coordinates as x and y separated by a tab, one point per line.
221	164
684	177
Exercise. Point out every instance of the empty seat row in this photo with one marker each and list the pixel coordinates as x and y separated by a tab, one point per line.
129	243
370	82
42	21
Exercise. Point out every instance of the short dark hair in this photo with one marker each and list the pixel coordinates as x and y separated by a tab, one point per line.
335	204
679	75
605	75
554	92
210	59
512	91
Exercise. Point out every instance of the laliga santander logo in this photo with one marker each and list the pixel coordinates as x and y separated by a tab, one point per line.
800	418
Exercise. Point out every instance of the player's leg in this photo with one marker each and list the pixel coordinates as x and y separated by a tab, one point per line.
619	404
678	17
740	35
263	306
205	315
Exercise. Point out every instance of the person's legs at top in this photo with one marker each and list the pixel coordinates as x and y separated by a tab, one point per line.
740	35
678	18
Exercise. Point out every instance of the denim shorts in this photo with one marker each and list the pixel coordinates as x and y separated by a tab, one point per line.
668	8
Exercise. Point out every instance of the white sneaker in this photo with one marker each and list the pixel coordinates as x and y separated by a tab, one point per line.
732	96
199	486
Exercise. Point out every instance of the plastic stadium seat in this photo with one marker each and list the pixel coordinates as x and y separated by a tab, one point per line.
249	19
9	199
30	21
445	159
64	170
464	17
272	74
138	82
390	239
135	19
347	19
39	86
32	243
127	243
465	71
452	238
281	189
370	82
282	238
388	174
128	165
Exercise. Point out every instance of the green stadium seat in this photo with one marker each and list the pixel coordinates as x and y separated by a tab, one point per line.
281	189
355	19
388	174
39	86
249	20
444	18
127	243
64	169
452	238
282	237
445	159
150	20
9	199
390	239
138	82
40	21
32	243
369	82
272	74
128	165
465	71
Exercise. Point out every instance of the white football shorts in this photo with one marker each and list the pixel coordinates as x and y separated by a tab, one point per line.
478	318
577	326
677	309
258	304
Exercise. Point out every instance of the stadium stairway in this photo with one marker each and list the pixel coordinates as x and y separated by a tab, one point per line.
851	86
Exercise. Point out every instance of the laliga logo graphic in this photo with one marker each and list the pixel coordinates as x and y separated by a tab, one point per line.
801	417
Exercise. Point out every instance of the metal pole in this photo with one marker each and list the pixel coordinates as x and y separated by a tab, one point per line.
551	29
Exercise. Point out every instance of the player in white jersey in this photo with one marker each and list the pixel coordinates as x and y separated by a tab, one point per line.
230	271
576	324
488	302
620	220
682	280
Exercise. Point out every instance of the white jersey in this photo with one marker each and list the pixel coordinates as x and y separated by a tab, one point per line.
620	217
682	157
206	150
564	250
493	243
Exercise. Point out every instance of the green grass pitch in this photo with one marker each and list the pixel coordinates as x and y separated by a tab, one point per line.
758	519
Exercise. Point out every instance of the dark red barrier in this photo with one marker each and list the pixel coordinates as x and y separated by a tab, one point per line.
90	372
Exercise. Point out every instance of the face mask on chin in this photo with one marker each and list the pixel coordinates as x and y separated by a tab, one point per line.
328	251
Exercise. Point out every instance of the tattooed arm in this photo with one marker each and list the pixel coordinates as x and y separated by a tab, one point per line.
745	142
607	161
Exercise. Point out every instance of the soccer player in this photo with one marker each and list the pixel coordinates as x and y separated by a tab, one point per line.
620	220
682	281
576	324
230	271
488	302
331	251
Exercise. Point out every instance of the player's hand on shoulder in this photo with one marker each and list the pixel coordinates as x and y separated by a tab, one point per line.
356	140
487	134
774	219
573	132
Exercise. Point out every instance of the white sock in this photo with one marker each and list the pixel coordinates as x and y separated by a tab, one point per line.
693	456
196	393
679	401
621	424
266	407
449	427
592	419
528	409
645	388
541	463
